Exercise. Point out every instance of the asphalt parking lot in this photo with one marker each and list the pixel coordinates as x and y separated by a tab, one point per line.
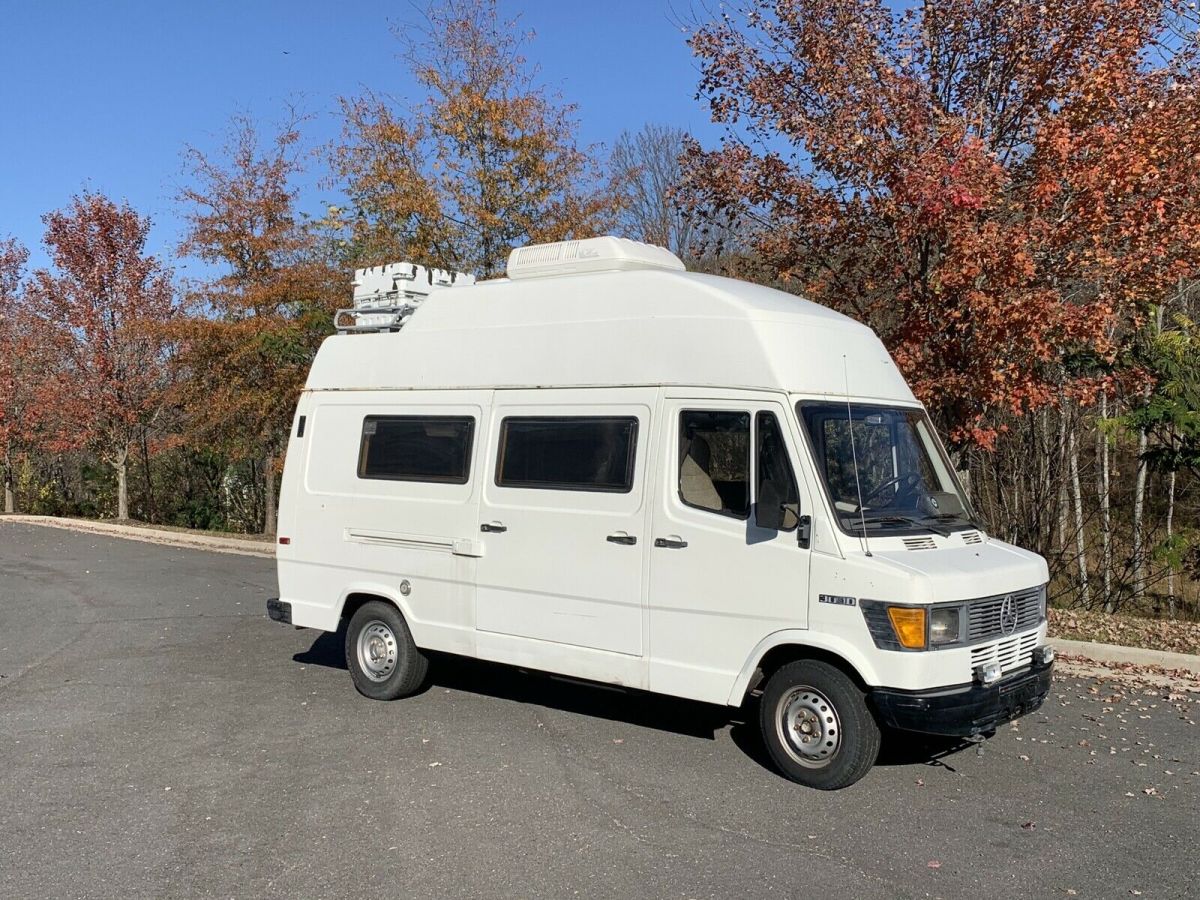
160	737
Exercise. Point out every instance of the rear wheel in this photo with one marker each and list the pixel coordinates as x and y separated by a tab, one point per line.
383	660
816	725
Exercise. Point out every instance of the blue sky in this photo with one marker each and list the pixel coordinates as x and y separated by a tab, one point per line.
105	95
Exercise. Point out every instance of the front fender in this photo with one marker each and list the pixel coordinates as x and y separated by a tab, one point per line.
798	637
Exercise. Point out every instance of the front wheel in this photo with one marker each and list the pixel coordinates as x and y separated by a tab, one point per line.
817	727
384	661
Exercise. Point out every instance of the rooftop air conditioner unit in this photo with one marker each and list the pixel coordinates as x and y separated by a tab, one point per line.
599	254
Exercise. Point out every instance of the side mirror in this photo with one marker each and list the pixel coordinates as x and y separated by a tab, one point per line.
783	517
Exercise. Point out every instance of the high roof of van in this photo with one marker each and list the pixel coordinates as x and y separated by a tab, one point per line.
648	326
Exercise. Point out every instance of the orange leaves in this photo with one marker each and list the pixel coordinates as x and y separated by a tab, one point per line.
486	161
256	323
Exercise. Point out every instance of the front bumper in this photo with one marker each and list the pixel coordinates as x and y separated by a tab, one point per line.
967	709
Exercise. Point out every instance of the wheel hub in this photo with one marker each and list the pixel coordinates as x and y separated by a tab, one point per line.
377	650
809	726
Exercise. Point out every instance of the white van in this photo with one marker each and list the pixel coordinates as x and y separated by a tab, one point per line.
606	467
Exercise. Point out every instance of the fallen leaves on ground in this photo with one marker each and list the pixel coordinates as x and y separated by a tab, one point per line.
1174	636
1173	682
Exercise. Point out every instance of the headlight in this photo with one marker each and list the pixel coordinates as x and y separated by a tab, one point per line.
912	627
943	625
1042	603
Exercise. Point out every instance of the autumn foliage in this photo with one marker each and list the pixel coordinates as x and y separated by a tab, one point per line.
1001	190
258	320
104	313
1007	192
486	161
18	366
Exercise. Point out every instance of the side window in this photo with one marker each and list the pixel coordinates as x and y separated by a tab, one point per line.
777	500
416	448
714	461
575	453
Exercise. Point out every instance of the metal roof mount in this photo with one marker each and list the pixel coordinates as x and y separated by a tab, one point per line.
385	296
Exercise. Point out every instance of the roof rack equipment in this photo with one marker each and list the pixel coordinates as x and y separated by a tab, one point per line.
385	296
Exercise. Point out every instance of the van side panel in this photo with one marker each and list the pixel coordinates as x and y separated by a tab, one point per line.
414	542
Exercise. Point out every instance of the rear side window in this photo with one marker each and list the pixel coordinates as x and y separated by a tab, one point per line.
577	453
417	448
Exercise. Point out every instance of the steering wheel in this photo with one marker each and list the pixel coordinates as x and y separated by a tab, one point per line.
904	484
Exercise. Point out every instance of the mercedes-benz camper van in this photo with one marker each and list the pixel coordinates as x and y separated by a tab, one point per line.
607	467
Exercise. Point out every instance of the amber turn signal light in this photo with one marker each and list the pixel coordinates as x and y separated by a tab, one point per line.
909	625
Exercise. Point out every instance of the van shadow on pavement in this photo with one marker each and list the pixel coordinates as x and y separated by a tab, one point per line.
639	708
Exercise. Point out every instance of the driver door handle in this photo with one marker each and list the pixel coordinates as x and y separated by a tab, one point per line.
621	537
493	527
673	542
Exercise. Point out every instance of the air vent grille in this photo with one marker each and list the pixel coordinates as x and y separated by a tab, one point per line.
921	543
972	537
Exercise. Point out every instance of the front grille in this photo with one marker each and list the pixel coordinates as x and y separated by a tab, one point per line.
984	616
1012	653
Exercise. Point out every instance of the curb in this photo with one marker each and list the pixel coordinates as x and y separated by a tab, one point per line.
215	543
1138	656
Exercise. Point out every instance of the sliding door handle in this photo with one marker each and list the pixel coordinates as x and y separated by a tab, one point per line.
622	538
672	542
493	527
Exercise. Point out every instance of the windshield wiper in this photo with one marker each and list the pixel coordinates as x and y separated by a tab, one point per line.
947	517
891	518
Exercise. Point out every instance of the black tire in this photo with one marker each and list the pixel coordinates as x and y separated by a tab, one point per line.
383	660
836	738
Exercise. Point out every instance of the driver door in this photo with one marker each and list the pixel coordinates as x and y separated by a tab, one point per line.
719	579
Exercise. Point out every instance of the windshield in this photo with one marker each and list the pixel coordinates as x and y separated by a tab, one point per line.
904	482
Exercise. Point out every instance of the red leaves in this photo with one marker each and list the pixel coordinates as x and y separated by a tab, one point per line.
18	377
1000	193
100	317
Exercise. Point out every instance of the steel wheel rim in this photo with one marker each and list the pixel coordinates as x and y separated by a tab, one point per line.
377	650
808	726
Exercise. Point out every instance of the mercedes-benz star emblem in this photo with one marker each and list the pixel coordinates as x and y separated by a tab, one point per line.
1008	615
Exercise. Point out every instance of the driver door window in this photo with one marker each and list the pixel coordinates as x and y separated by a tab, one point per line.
714	461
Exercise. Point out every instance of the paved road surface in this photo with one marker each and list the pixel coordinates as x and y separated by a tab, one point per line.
159	737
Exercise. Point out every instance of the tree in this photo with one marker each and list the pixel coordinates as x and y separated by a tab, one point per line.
1167	424
105	312
18	381
998	191
486	161
256	325
651	162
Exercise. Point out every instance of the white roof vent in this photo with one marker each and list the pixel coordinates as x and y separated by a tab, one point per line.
599	254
